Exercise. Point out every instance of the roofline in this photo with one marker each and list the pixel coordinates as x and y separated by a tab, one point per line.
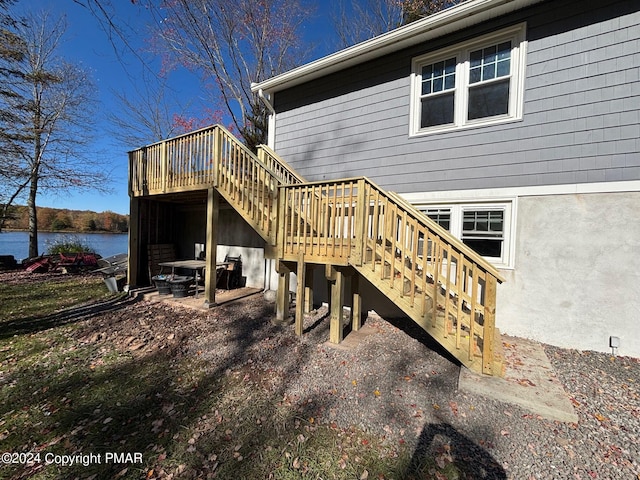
465	14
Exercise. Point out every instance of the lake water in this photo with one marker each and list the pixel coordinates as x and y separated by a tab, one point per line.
105	244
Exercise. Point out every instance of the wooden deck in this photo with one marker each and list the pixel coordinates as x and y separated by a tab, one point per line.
351	226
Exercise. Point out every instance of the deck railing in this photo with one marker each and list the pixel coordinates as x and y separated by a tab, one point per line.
185	162
213	157
317	220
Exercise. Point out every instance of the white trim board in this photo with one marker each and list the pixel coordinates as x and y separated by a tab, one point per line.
508	193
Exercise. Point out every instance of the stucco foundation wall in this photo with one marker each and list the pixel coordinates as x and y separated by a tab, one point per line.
577	272
236	237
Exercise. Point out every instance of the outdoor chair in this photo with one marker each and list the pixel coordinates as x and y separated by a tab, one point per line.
232	273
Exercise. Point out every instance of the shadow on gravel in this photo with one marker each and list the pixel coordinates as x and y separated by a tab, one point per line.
415	331
71	315
316	324
454	453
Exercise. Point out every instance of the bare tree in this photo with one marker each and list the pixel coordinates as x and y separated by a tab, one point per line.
144	116
51	108
360	20
231	43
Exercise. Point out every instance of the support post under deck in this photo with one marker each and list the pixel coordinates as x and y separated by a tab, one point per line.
356	303
213	208
282	295
134	242
336	328
308	288
301	272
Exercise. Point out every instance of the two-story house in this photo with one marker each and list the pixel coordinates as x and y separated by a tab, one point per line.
515	125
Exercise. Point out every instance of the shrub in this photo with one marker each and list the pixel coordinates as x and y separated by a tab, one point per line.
59	224
67	244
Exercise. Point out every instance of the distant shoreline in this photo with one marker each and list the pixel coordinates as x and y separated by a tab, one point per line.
63	232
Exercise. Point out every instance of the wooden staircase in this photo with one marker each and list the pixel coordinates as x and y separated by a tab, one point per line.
434	278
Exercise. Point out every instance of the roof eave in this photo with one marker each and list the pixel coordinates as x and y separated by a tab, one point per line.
447	21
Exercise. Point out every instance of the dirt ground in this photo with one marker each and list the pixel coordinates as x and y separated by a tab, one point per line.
395	384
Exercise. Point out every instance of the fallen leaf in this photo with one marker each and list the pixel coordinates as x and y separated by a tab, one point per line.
365	475
600	417
525	382
376	392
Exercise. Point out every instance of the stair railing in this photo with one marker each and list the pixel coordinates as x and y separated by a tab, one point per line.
275	163
431	275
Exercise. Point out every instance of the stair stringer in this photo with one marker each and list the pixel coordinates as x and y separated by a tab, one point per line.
424	318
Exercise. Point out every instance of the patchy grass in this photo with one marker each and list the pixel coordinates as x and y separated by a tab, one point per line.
64	397
38	299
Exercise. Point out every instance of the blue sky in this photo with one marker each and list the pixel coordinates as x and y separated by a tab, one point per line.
86	43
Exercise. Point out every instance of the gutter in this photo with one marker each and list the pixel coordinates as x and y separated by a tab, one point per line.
465	14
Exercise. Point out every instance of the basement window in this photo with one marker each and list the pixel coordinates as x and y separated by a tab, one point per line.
486	228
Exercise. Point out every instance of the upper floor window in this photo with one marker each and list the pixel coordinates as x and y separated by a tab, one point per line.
476	83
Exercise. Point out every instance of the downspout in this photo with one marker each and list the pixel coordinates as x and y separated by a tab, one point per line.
271	131
271	140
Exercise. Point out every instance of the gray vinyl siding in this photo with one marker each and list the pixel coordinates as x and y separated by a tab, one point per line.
581	119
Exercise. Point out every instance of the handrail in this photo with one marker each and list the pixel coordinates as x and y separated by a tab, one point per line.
247	184
273	161
177	137
469	252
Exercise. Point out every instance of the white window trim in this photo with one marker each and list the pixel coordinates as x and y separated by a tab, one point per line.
517	34
506	261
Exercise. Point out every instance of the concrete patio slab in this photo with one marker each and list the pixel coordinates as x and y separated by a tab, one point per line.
190	301
529	382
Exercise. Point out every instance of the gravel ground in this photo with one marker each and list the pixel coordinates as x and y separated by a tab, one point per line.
398	385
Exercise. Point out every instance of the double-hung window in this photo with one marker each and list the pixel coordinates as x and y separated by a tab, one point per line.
486	228
476	83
